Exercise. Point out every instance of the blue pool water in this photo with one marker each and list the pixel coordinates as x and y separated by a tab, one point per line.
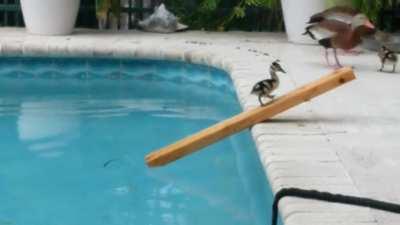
74	133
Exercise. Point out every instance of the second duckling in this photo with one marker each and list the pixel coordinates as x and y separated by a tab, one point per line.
265	87
387	56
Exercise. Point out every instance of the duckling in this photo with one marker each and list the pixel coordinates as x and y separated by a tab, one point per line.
264	88
387	56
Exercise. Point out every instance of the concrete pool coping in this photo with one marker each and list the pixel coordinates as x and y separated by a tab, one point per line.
300	148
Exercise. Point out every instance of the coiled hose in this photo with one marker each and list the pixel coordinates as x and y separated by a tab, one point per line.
329	197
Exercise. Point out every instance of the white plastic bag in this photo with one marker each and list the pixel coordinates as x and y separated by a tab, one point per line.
162	21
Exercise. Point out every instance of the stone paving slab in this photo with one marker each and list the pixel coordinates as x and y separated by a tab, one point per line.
344	142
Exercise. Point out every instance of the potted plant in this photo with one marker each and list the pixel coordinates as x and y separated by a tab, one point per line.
50	17
296	13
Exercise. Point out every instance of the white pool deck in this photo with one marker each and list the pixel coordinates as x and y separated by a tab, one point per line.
347	141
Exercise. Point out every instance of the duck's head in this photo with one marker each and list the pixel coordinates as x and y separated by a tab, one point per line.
276	67
361	20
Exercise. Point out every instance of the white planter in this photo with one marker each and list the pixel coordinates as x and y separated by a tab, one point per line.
296	14
50	17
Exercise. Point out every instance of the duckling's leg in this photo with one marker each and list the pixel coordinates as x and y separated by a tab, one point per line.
394	68
336	58
382	66
260	100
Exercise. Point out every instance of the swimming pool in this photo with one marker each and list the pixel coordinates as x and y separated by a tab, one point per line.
75	133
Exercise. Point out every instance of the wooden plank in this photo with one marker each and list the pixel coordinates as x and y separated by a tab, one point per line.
249	118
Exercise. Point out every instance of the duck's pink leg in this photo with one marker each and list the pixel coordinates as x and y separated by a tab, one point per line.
336	58
326	57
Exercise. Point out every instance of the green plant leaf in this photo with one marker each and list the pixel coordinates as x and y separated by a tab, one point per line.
239	12
209	5
213	14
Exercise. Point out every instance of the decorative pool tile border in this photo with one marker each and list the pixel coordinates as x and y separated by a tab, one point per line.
288	162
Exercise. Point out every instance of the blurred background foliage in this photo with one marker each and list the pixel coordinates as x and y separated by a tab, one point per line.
248	15
222	15
263	15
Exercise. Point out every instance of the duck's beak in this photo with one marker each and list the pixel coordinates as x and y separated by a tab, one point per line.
281	69
369	24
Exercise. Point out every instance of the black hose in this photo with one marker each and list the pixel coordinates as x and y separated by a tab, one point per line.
329	197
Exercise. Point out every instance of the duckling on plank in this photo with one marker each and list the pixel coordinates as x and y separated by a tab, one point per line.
264	88
387	56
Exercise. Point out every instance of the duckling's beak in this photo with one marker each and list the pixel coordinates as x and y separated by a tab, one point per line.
279	68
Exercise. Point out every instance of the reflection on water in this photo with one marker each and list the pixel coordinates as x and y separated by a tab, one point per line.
46	127
73	146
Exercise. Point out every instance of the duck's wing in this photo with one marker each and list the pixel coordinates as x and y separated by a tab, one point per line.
327	29
345	18
340	13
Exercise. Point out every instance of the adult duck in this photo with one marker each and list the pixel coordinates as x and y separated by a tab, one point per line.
334	34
